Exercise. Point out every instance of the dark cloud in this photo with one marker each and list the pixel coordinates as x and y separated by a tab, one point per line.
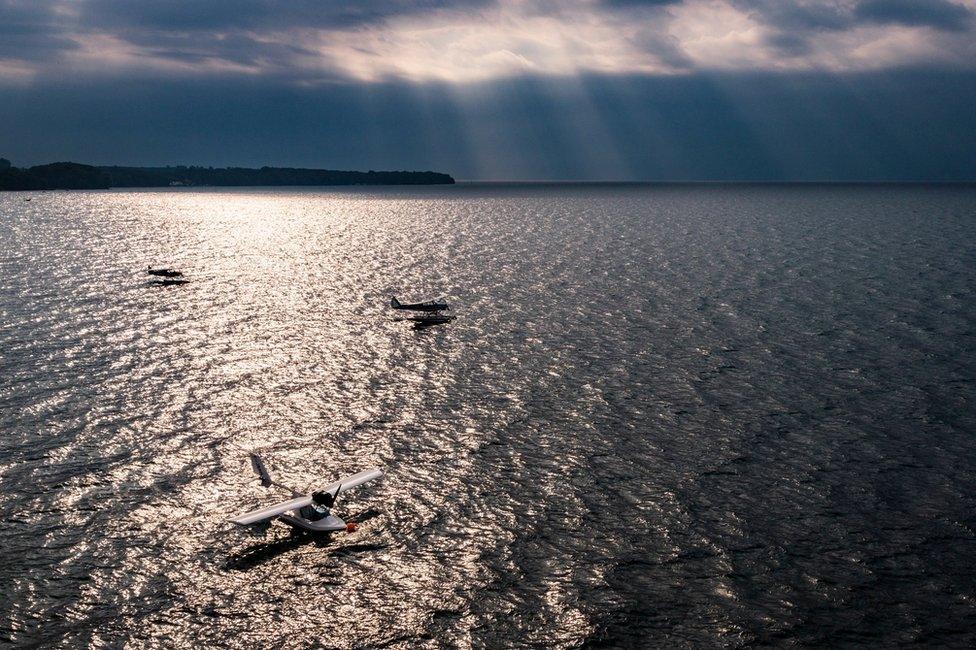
274	36
238	48
270	15
798	17
823	15
257	15
640	3
240	31
663	47
31	30
938	14
789	44
192	31
794	24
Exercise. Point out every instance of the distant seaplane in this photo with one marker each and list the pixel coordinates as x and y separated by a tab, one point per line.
166	277
164	273
311	512
430	305
431	312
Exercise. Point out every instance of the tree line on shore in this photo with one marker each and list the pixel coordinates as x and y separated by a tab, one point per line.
75	176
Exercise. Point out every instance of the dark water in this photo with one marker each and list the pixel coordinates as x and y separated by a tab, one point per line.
666	416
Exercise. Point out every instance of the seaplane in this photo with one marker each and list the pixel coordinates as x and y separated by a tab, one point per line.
309	512
166	277
431	312
164	273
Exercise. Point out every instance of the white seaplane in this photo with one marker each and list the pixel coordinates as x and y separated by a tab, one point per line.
311	512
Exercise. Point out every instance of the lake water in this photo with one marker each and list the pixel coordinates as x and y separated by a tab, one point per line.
698	415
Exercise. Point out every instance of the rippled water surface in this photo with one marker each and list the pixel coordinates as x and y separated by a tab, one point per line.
665	415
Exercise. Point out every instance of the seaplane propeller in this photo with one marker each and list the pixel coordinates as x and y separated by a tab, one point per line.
326	499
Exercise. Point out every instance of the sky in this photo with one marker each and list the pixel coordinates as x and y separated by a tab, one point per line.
813	90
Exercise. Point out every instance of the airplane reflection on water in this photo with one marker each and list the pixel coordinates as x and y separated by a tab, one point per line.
262	552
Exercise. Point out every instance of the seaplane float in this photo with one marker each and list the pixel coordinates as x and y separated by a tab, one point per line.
166	277
430	312
309	512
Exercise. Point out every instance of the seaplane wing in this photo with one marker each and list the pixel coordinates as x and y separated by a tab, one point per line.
350	482
278	509
263	514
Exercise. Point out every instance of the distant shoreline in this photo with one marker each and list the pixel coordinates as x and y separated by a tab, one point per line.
75	176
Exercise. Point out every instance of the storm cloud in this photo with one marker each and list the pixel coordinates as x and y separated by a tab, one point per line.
32	31
939	14
813	15
471	40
